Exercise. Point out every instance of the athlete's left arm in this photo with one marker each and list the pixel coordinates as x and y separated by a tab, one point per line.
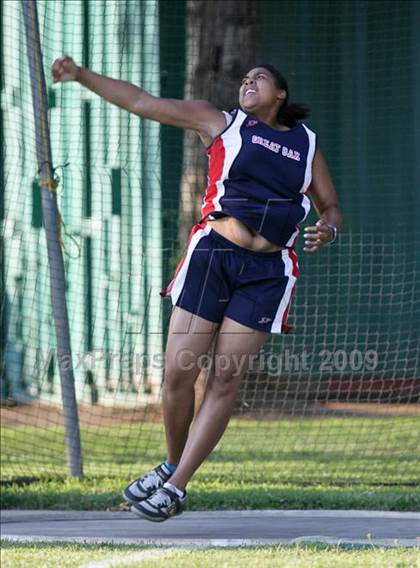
325	201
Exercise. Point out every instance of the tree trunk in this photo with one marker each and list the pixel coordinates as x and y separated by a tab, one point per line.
221	47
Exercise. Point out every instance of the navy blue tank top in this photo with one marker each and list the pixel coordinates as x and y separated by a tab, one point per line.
260	176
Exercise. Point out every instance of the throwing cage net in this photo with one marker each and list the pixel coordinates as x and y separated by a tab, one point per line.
340	394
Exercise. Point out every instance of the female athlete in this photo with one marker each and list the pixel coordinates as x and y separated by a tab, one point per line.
234	283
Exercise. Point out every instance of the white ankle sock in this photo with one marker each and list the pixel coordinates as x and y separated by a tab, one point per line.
174	489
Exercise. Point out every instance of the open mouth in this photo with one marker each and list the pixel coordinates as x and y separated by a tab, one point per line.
250	92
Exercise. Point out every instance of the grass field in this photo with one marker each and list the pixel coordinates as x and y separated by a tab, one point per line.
309	556
370	463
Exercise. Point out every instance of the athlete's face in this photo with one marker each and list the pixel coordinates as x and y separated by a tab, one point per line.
259	90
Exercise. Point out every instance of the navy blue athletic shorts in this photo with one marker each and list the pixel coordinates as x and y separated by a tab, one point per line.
217	278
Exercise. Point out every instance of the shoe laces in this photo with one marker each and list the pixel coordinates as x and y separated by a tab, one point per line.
161	498
151	480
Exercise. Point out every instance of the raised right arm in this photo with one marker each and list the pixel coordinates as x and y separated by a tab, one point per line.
201	116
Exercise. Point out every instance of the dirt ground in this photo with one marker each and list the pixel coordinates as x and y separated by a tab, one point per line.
43	415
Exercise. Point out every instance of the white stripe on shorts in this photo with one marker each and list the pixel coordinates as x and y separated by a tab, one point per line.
182	274
276	326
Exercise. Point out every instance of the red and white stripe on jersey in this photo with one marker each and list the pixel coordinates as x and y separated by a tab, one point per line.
175	286
291	270
221	155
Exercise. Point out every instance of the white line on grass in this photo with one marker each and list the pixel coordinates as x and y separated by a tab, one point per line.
130	559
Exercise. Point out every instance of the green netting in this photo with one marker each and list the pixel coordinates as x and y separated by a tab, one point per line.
356	313
109	197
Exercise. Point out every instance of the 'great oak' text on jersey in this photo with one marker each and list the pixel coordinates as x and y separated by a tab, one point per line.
260	176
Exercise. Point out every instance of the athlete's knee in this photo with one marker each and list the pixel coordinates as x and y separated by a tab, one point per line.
179	376
224	383
175	381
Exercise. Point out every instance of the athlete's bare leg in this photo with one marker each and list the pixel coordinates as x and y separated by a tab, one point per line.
233	342
189	337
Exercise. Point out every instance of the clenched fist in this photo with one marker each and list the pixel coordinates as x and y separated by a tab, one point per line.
318	236
64	69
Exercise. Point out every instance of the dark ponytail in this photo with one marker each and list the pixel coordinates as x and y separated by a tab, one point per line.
289	114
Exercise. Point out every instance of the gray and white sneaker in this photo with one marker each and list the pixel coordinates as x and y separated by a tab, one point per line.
160	506
144	486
